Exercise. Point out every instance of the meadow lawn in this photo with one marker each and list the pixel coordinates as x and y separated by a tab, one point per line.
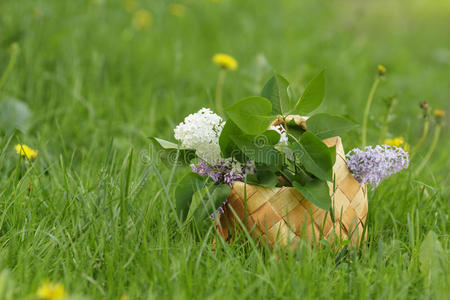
101	77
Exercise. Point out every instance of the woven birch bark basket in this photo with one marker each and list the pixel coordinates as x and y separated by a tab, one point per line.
284	216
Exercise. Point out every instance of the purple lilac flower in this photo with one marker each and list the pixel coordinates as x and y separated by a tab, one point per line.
202	168
227	171
375	164
220	210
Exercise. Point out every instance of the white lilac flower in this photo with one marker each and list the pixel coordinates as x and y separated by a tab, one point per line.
283	136
283	143
201	131
375	164
250	167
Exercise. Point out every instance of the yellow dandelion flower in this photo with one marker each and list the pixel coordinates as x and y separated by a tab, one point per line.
25	151
130	5
381	70
51	291
177	10
124	297
397	142
439	113
225	61
142	19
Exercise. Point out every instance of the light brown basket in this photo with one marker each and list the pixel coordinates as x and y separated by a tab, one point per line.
284	216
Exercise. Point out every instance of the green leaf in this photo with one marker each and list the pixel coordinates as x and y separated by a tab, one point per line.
226	142
219	195
198	199
164	144
314	156
234	143
316	192
332	151
167	152
7	285
269	137
264	177
260	153
14	114
186	188
276	90
326	125
313	95
294	131
302	177
293	125
213	198
252	115
431	256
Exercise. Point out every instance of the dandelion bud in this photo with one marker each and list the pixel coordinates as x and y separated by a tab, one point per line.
381	70
439	114
425	109
424	105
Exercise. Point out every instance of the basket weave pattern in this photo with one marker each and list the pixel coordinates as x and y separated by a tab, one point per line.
284	216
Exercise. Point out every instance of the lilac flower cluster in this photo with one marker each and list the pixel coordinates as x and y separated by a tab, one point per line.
226	171
375	164
201	131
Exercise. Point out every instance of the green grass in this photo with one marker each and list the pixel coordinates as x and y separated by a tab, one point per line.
86	216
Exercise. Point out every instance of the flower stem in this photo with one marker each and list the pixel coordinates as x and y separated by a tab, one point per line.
213	168
294	138
427	157
11	63
219	88
384	129
426	126
367	109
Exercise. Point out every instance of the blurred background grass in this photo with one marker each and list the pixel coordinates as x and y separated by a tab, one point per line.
89	77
